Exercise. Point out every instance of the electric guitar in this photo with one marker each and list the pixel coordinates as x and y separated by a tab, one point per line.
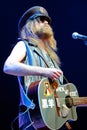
55	103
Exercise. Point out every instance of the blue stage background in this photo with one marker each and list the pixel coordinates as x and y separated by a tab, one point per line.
67	17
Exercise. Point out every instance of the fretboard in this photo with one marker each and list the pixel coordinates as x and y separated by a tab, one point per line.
80	101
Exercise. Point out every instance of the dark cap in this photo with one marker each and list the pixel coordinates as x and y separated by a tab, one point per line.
33	13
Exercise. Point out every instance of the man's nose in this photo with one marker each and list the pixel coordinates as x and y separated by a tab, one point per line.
45	21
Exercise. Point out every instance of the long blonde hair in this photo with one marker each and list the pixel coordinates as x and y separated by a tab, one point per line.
28	32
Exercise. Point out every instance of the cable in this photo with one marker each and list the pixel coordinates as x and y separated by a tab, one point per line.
17	118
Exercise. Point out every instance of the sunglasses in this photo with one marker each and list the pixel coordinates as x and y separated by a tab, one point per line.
42	19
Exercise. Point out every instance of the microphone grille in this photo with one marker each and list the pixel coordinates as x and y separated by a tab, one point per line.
74	35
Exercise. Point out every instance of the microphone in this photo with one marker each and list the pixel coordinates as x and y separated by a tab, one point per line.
76	35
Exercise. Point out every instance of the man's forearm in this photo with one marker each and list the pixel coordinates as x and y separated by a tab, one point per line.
20	69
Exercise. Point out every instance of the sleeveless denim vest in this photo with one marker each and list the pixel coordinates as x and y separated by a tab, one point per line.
34	57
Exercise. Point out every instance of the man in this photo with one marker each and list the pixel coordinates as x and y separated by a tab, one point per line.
33	58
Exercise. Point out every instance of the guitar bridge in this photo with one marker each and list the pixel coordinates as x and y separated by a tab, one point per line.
65	110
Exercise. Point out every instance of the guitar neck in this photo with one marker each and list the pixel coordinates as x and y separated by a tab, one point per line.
80	101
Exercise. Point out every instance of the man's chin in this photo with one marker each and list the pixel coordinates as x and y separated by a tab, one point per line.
45	36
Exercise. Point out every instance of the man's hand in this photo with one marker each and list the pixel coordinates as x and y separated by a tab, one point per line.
52	73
